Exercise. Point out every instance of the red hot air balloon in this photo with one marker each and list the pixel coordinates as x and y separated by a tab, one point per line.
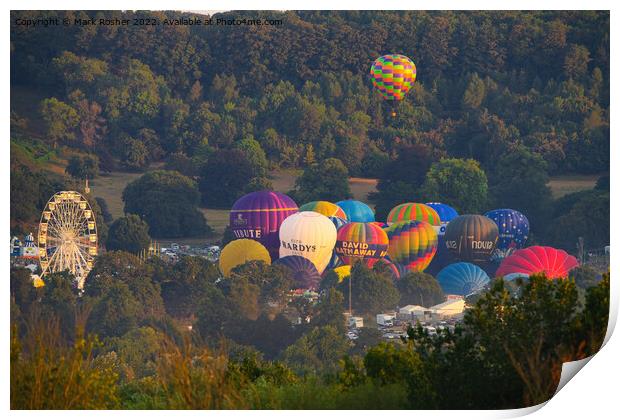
361	241
258	215
555	263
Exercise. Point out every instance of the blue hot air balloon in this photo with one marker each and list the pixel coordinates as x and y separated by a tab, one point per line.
357	211
513	230
462	279
305	274
335	261
445	212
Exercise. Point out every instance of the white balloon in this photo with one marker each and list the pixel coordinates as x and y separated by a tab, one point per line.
310	235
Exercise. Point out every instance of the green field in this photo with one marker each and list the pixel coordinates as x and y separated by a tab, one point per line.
567	184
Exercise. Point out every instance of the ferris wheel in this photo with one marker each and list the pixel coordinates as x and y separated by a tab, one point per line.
67	236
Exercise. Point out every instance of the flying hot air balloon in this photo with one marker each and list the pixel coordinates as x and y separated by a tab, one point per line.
239	252
554	263
412	244
325	208
393	75
305	274
361	241
513	230
357	211
414	211
258	215
462	279
310	235
471	237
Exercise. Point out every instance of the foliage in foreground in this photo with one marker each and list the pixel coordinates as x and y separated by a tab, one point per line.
507	353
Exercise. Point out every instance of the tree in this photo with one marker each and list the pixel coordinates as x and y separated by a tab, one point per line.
317	351
225	178
128	233
520	182
459	183
86	167
329	310
122	292
576	62
419	289
61	120
584	277
327	180
534	331
372	291
138	350
92	127
168	202
115	313
187	284
587	215
401	178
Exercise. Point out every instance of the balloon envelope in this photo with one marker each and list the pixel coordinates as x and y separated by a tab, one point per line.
361	241
412	243
310	235
334	261
446	214
413	211
305	274
554	263
462	279
357	211
393	75
513	230
325	208
241	251
471	237
258	215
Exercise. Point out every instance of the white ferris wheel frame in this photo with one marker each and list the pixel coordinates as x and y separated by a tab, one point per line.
67	236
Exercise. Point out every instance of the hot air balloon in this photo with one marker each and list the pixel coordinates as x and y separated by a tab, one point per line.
310	235
357	211
305	274
412	243
554	263
393	75
334	260
258	215
462	279
241	251
361	241
382	225
471	237
414	211
325	208
446	214
513	230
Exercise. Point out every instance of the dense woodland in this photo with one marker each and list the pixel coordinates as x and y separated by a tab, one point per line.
502	101
523	94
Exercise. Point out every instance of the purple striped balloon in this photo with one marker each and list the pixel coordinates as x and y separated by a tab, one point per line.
258	215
